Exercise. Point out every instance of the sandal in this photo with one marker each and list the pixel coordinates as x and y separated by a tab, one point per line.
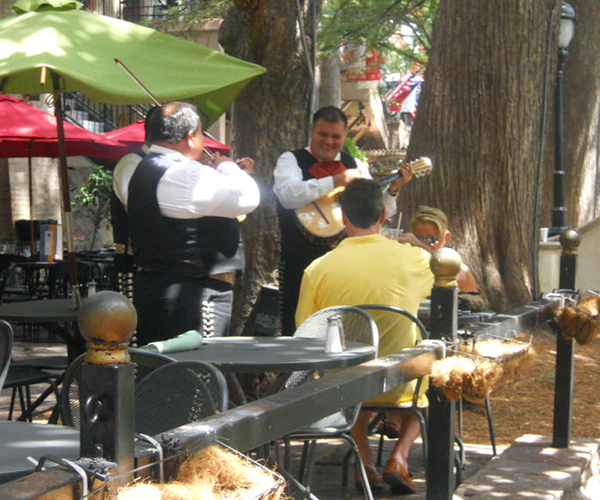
388	429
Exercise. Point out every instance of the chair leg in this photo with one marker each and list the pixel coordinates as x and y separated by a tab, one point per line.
361	468
303	461
423	425
310	458
380	450
346	466
12	403
287	454
488	411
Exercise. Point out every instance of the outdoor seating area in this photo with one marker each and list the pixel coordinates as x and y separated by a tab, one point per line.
193	397
281	251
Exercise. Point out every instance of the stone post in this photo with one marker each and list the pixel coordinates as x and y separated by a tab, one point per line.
445	265
107	321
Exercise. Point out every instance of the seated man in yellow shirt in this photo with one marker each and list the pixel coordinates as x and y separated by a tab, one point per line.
367	268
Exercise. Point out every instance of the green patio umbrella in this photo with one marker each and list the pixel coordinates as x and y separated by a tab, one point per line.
53	46
81	47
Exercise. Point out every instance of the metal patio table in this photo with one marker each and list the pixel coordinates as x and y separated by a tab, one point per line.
53	314
272	354
19	440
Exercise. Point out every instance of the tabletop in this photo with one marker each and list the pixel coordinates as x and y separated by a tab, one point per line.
39	311
57	315
274	354
19	440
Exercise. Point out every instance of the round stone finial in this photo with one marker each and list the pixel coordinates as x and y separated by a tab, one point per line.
107	320
570	241
445	266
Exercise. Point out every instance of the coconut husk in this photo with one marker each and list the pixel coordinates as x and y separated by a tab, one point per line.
211	474
448	374
512	354
581	322
465	376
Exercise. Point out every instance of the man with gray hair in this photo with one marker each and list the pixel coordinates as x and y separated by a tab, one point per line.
181	217
367	268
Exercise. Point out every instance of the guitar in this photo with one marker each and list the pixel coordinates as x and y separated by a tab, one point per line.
321	220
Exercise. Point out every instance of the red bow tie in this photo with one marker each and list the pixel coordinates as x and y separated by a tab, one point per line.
326	168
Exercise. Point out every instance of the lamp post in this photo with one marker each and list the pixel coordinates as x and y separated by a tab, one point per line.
565	35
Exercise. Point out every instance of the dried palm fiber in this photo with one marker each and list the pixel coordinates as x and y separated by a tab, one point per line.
581	322
448	374
211	474
513	354
479	382
465	376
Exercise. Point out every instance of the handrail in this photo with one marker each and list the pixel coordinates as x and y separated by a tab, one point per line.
261	421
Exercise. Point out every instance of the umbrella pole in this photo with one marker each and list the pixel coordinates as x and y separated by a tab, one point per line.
31	231
64	182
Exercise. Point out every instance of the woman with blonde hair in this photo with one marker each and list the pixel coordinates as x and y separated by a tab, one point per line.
430	227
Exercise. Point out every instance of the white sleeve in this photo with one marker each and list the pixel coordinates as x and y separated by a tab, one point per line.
122	175
194	190
292	191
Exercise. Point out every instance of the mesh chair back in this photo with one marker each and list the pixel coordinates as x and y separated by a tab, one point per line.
387	314
358	326
6	340
177	394
146	362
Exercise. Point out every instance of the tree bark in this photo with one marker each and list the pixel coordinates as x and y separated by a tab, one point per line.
479	120
581	109
269	117
330	82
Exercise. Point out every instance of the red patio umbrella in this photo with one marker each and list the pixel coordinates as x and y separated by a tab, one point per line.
27	131
133	136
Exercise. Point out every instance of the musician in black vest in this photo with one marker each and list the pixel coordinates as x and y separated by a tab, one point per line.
303	176
181	217
124	169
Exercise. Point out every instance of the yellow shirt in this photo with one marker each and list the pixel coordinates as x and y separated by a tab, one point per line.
372	270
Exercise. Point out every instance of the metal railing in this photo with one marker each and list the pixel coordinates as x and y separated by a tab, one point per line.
100	117
259	422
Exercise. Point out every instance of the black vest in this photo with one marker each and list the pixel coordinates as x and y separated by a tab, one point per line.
185	247
292	240
118	214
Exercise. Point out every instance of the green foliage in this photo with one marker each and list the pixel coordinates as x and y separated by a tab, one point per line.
378	23
351	148
95	194
183	16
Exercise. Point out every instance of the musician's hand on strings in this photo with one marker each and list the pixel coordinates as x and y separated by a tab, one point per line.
246	164
406	172
344	178
219	158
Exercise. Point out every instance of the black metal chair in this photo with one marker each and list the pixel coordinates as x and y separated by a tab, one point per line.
6	341
176	394
358	326
146	362
385	316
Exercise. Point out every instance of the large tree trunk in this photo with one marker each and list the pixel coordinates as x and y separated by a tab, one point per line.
330	81
269	117
479	119
581	108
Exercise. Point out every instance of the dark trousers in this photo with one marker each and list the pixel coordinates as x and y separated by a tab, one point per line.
168	305
290	277
216	311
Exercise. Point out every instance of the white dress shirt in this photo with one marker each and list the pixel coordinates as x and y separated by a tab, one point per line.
294	192
124	169
189	189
